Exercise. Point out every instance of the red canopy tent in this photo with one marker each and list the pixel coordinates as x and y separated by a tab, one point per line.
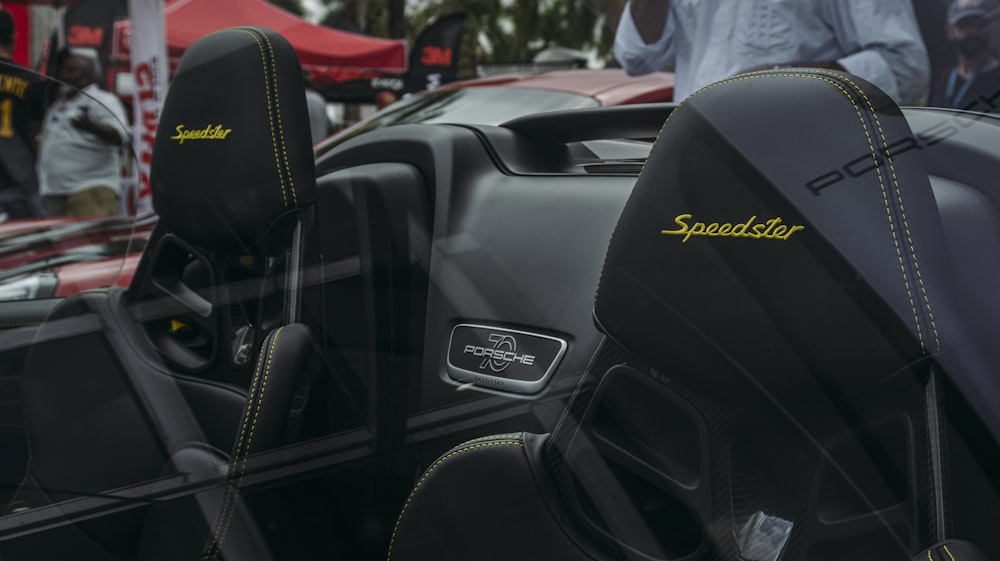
322	50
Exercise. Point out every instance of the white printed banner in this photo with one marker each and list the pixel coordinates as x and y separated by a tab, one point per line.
147	44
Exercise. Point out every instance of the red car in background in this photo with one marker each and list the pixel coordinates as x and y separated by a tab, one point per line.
55	257
608	86
496	99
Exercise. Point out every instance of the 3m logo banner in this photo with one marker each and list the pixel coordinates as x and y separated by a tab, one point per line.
435	54
84	36
503	359
90	23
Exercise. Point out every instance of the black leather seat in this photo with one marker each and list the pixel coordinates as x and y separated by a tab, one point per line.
164	378
778	364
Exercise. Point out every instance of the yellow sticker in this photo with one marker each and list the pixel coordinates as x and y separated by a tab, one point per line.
771	229
207	133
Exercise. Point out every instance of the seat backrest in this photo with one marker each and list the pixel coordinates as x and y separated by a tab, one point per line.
231	177
791	277
781	319
113	394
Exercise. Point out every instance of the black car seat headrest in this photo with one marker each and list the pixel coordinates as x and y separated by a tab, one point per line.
773	242
233	151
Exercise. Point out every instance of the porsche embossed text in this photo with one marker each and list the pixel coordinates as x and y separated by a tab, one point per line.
502	355
771	229
207	133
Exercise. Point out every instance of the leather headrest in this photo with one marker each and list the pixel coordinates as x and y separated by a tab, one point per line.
233	150
772	242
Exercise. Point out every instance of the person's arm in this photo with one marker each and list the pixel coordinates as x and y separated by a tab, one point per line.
650	18
107	133
884	46
644	37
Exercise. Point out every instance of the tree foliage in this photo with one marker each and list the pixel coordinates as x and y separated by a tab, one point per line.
506	31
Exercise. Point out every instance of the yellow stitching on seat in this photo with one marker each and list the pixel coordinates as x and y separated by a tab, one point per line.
511	435
254	402
930	557
885	195
94	293
260	397
902	211
948	551
434	466
888	210
270	112
281	129
210	554
906	227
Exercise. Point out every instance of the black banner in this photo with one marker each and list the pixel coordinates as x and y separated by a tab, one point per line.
89	24
435	54
357	87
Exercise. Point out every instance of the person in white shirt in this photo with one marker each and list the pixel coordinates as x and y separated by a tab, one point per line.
708	40
80	145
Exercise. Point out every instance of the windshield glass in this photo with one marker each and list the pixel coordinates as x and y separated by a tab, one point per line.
754	324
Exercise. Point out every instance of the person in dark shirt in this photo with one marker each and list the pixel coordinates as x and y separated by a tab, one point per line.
973	83
21	112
